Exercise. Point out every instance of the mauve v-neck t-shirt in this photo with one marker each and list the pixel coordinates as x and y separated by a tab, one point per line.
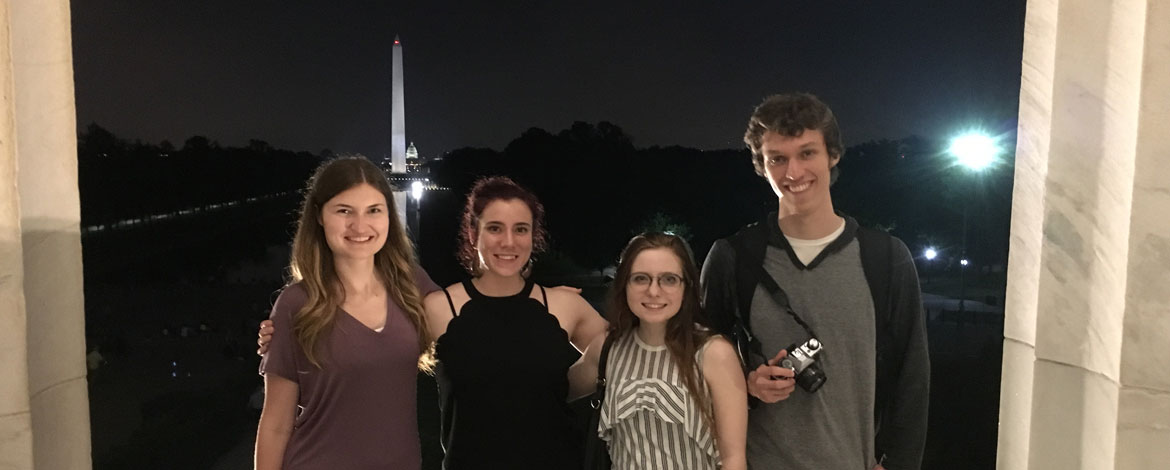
359	410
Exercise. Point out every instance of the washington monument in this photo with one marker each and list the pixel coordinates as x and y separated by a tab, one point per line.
397	114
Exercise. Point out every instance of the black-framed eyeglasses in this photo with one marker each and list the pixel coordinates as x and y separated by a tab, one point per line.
666	281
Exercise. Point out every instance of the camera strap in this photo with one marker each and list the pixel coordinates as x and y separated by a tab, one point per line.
781	299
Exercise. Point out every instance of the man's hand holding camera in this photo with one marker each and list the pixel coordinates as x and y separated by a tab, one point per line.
770	382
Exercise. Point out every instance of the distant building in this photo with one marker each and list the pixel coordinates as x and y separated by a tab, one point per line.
413	163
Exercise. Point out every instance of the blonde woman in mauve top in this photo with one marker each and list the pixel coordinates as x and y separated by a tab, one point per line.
503	346
339	373
676	397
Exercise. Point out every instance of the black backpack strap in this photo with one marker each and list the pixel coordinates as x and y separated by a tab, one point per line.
750	245
876	260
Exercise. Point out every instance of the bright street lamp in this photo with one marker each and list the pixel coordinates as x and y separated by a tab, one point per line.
930	254
974	151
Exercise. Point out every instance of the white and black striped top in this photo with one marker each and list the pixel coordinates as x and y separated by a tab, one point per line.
649	417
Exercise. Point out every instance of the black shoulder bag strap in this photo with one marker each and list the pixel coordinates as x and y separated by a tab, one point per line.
596	450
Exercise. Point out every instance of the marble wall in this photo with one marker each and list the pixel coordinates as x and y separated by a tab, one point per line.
1088	274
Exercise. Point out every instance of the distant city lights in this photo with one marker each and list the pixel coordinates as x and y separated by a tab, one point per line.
416	190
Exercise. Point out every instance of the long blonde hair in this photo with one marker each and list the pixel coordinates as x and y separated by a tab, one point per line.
312	260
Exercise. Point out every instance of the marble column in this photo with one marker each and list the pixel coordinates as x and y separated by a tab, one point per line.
1143	425
1090	247
41	146
16	445
1021	296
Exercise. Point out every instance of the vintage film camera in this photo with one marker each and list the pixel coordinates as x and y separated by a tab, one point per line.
802	361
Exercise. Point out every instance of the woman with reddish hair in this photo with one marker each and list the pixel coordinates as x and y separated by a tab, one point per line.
504	344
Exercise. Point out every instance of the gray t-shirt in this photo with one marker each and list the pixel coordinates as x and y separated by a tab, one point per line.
833	427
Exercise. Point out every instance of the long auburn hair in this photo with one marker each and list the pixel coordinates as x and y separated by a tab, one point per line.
683	338
484	192
312	260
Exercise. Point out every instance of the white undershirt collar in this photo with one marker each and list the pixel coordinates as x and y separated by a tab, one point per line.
807	250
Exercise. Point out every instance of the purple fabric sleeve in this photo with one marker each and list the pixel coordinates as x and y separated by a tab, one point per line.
281	358
424	282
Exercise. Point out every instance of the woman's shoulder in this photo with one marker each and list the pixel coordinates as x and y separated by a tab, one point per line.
290	300
560	296
423	281
440	297
453	290
294	292
718	350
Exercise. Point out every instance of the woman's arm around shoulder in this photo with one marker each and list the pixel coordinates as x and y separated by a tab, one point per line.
724	378
583	373
438	312
276	421
582	322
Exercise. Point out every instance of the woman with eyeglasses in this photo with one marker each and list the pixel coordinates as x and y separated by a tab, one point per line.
676	397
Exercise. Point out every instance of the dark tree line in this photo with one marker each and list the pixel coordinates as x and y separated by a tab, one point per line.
597	187
120	180
599	190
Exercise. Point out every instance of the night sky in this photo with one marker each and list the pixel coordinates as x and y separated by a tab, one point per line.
315	75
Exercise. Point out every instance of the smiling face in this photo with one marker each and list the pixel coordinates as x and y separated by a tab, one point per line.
798	168
504	237
655	288
356	222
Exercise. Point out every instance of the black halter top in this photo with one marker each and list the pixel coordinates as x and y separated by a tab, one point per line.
503	382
